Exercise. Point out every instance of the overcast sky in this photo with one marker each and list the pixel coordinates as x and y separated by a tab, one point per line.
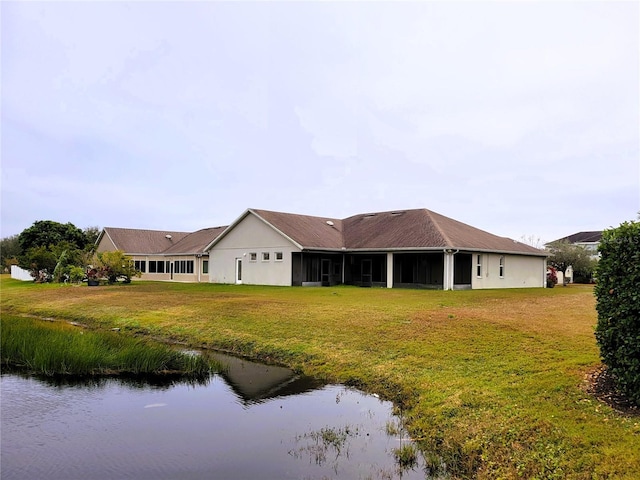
519	118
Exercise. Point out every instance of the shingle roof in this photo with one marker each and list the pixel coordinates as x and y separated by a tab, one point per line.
195	242
423	229
582	237
402	229
155	242
305	230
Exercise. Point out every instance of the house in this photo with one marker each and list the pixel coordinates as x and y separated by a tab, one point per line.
405	248
587	240
163	255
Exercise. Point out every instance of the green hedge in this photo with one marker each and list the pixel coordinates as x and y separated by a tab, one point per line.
618	304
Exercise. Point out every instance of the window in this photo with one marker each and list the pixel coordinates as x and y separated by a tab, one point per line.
183	266
479	266
265	256
167	266
205	266
279	256
253	256
502	266
156	266
140	265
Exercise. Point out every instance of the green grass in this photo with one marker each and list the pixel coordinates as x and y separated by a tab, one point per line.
56	348
490	383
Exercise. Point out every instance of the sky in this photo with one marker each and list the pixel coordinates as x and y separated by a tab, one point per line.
517	117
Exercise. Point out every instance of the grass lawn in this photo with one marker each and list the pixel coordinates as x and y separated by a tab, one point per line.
490	382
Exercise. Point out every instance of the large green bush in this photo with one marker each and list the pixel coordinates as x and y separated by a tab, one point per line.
618	304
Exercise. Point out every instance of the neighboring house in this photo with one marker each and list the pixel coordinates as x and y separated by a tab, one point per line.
588	240
404	248
163	255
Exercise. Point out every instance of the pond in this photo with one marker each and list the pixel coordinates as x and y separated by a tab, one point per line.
252	422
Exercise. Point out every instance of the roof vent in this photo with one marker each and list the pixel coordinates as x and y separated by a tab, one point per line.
168	236
330	223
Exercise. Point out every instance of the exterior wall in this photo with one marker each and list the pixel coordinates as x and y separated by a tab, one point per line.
249	236
105	245
520	271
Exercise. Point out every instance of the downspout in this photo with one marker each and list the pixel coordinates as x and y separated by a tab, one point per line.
199	257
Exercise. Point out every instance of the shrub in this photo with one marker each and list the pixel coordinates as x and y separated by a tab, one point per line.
552	277
618	304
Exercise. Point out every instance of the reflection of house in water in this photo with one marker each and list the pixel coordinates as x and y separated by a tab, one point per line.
255	382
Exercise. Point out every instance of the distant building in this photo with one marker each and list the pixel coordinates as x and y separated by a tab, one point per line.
588	240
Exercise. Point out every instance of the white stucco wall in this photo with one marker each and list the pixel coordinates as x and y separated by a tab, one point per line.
519	271
252	235
105	245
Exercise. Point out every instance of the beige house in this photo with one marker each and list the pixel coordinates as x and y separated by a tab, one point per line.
163	255
404	248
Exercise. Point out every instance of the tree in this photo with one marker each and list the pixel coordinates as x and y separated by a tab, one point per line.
115	265
40	261
9	251
49	250
92	234
618	304
532	241
44	233
565	255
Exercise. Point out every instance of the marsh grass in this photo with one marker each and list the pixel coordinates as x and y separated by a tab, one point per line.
57	348
490	383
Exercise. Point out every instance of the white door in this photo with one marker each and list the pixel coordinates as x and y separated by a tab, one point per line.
238	271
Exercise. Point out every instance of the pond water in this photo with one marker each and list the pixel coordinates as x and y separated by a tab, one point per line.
252	422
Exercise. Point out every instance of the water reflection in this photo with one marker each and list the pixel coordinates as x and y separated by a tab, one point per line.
256	382
243	425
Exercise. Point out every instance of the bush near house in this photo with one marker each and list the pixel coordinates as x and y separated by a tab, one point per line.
618	306
552	277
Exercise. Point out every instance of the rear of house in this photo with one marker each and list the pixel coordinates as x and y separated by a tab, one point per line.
412	248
